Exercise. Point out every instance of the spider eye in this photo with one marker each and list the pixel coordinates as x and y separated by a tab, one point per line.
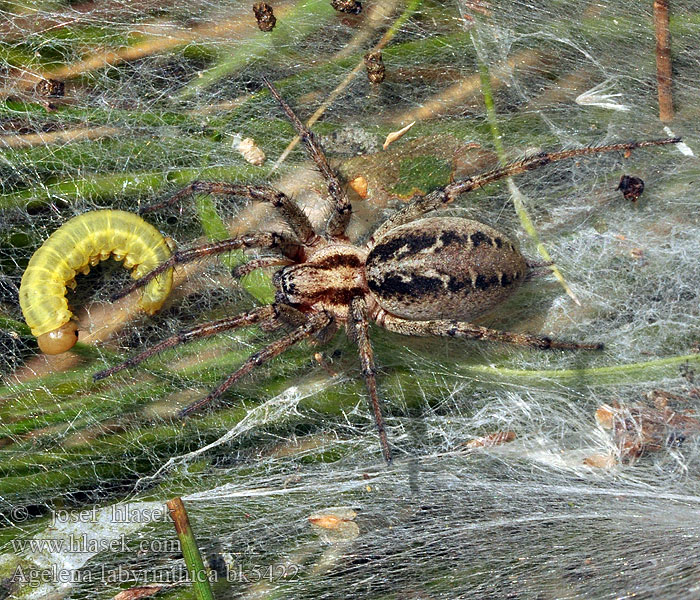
59	340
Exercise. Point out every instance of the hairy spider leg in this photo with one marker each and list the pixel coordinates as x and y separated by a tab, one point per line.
440	198
358	330
258	315
342	209
315	323
260	263
462	329
272	240
290	211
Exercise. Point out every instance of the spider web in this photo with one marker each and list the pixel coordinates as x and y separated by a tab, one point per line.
285	485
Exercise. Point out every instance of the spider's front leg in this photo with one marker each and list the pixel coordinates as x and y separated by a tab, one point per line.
290	211
289	247
264	315
315	323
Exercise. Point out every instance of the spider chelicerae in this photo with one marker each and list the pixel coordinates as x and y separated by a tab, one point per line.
415	276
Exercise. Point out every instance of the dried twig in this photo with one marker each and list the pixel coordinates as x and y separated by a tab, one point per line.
663	60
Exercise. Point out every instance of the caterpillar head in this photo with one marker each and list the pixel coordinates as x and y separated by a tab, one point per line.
59	340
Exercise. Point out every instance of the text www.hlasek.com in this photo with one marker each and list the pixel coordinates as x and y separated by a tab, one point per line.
84	543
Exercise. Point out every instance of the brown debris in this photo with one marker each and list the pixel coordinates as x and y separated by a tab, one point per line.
50	88
375	67
352	7
640	429
631	187
264	16
492	439
359	186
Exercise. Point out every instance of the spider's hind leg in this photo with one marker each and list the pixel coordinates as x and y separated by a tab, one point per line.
437	199
462	329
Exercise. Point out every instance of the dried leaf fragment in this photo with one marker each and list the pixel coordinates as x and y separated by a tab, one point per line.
396	135
492	439
640	429
134	593
251	152
359	185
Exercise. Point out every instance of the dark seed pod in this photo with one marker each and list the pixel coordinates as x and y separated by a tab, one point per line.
631	187
347	6
50	88
375	67
264	16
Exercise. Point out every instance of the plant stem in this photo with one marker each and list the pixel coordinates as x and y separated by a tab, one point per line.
190	551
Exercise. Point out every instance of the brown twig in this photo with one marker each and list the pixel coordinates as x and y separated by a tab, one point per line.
57	137
663	60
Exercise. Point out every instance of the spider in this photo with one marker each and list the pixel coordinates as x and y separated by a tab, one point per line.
415	276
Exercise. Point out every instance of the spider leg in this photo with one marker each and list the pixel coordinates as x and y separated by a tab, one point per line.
462	329
316	322
440	198
254	240
260	263
290	211
342	209
358	327
257	315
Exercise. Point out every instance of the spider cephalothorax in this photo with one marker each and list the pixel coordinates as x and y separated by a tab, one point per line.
415	276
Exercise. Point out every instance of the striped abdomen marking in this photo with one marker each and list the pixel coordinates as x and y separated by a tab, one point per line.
73	248
443	268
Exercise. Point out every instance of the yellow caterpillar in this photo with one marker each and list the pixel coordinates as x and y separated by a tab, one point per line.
73	248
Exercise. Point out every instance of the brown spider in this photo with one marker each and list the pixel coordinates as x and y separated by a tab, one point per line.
422	277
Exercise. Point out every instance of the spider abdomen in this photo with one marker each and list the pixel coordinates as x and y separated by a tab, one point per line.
443	268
